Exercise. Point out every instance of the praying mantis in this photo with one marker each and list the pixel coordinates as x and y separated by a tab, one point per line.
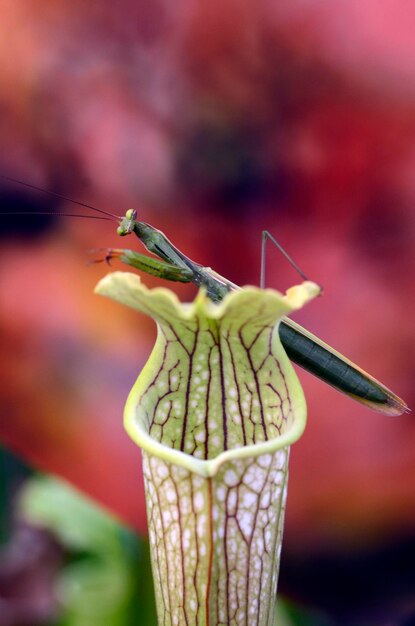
302	347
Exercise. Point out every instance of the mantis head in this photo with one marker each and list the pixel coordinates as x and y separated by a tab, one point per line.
126	225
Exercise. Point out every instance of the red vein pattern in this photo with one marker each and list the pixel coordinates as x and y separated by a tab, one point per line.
218	381
218	384
216	542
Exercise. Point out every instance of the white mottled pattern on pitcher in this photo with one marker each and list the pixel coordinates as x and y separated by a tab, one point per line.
215	542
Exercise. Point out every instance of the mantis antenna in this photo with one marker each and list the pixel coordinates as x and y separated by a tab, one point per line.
61	197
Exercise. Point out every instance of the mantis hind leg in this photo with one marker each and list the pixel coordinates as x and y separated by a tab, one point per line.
265	236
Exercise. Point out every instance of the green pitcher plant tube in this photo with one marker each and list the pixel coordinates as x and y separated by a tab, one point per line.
214	410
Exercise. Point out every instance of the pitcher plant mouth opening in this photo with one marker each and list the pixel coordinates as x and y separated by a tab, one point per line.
214	411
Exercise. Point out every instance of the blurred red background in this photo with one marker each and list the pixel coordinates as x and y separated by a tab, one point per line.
215	120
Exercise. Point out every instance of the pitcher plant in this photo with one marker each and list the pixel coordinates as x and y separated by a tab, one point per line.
214	411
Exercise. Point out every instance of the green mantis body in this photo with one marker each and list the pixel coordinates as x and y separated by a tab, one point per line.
302	347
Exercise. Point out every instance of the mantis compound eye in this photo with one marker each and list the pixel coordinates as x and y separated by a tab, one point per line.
131	214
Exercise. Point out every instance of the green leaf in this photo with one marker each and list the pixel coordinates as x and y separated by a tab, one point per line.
107	581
